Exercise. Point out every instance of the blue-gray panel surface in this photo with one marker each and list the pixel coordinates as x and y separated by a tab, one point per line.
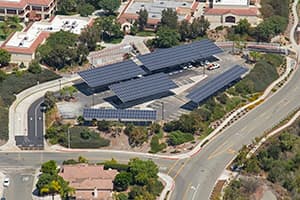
201	93
109	114
111	73
163	58
142	87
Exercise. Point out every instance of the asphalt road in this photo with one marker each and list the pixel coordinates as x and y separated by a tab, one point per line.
199	174
35	133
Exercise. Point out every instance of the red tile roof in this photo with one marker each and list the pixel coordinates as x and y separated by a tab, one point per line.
88	177
223	11
23	3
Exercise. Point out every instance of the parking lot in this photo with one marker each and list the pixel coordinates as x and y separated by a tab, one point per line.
186	79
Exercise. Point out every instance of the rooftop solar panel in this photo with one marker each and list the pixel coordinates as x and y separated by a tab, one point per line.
143	87
111	73
118	114
201	93
163	58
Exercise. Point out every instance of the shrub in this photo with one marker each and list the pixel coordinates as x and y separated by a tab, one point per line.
122	181
178	137
155	145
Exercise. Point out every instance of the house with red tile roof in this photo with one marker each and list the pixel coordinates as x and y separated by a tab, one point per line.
230	12
90	181
27	9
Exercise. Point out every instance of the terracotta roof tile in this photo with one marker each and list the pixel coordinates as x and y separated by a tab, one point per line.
223	11
23	3
84	176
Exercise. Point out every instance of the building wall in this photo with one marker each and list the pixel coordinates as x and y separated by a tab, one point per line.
219	20
19	57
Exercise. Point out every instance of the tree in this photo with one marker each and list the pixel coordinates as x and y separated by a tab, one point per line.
2	75
143	18
109	6
142	171
4	57
242	27
89	37
52	188
122	181
44	179
80	120
109	27
137	136
155	128
166	37
59	50
49	167
199	27
35	67
169	18
184	30
49	100
22	66
86	9
103	126
82	159
66	7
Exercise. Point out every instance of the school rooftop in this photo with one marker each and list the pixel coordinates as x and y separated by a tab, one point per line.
26	39
155	7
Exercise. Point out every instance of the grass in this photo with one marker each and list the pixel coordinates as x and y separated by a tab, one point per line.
145	33
80	137
92	141
114	40
14	84
8	27
155	145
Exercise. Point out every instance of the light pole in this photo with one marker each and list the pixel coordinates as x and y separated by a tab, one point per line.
69	138
162	111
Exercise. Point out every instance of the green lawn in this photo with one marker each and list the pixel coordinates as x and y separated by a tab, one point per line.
145	33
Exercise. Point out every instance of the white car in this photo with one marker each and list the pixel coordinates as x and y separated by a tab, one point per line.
213	66
6	182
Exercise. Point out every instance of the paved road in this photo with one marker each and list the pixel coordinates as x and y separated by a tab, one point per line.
35	137
199	174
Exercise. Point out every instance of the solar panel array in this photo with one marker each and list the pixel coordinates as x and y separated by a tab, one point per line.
118	114
201	93
142	87
163	58
111	73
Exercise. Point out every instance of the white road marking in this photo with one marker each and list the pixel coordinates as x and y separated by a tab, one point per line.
196	189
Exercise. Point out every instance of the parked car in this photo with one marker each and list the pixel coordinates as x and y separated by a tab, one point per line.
6	182
213	66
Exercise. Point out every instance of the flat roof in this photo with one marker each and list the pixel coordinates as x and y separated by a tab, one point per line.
119	114
155	7
67	23
143	87
164	58
112	73
201	93
231	2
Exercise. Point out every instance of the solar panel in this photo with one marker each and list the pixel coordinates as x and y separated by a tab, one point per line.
118	114
201	93
111	73
143	87
163	58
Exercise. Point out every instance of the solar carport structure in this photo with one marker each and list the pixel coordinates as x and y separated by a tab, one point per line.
119	115
103	76
203	92
143	87
164	58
